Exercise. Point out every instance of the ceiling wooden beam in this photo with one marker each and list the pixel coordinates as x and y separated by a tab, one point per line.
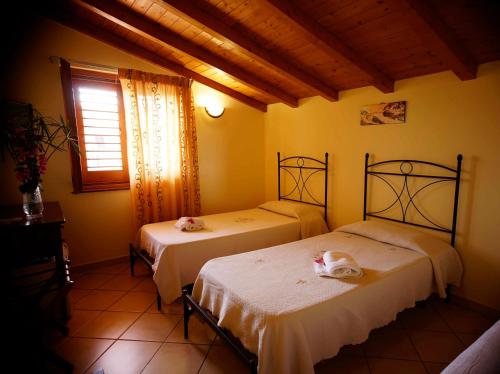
440	39
205	16
330	44
127	18
105	36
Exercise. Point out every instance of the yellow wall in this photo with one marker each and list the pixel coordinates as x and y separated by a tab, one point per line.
231	148
231	155
445	116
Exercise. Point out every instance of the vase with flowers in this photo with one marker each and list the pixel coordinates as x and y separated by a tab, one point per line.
31	139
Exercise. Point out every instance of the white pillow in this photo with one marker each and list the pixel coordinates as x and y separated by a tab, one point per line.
445	259
289	208
391	233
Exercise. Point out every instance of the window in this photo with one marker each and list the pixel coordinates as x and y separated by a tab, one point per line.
100	126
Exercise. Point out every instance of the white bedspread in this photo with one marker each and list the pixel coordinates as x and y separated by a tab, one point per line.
180	255
291	318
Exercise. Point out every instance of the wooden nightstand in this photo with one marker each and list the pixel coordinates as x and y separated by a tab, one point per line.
35	280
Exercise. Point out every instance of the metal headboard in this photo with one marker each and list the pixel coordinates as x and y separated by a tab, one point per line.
406	172
295	166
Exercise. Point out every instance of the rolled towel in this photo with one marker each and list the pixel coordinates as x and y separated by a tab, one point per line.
337	265
190	224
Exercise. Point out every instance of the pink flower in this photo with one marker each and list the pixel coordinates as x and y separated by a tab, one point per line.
22	173
319	260
28	142
42	163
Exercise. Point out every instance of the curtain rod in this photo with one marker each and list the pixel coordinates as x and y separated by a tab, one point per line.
85	65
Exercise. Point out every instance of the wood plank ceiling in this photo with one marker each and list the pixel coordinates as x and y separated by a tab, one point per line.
262	52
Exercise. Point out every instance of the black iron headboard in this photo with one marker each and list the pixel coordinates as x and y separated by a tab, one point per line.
301	175
406	172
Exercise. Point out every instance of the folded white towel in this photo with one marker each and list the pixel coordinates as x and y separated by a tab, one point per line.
337	265
190	224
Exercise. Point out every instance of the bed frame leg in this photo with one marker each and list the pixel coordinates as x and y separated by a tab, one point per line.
132	259
158	300
448	294
186	322
187	312
253	367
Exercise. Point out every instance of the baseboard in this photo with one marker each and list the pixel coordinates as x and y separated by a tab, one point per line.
97	264
480	308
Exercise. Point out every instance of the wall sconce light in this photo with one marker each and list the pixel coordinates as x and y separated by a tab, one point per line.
214	110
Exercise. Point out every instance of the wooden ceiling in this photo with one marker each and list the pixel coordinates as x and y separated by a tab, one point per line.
262	52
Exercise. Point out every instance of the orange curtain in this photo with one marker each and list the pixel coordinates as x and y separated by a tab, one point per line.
162	149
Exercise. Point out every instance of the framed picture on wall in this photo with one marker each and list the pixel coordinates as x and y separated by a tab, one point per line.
383	113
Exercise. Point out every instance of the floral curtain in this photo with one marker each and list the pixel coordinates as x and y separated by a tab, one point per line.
162	149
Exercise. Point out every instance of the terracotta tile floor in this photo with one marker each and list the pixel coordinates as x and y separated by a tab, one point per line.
117	327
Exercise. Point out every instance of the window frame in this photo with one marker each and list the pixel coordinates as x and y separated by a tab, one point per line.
84	180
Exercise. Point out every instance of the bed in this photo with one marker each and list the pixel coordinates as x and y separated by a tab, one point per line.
280	317
480	356
175	256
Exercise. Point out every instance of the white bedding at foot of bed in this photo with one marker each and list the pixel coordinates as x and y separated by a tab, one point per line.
273	301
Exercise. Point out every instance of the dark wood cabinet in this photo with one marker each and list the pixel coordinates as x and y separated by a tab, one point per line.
35	278
29	242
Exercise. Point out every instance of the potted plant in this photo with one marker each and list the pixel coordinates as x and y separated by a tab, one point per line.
31	140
